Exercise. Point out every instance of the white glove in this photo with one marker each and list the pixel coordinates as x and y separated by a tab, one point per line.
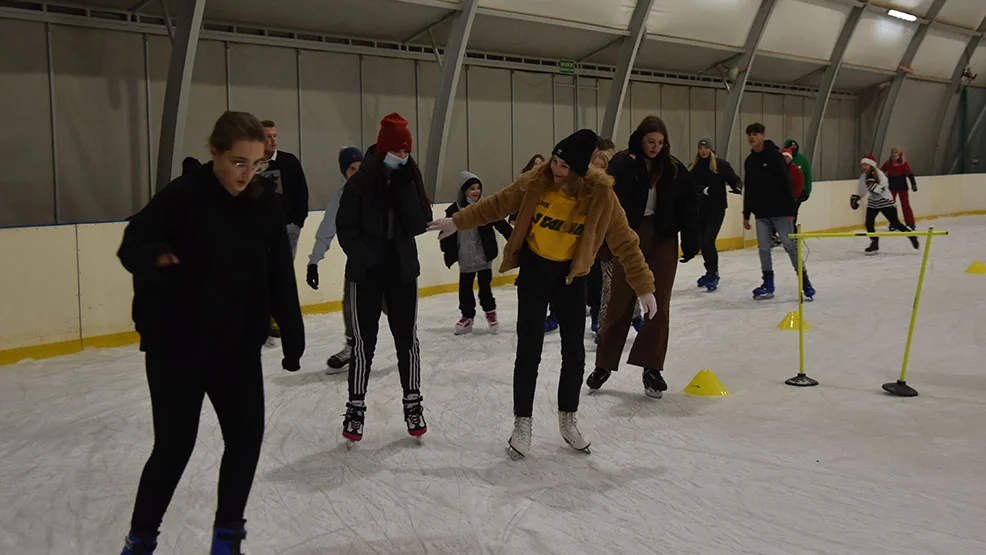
648	306
445	226
706	191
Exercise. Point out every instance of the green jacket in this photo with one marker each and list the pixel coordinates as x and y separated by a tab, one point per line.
802	162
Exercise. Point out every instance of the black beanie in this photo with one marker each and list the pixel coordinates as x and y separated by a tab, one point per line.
577	149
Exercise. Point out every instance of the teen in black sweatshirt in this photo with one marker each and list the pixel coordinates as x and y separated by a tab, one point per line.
382	209
211	262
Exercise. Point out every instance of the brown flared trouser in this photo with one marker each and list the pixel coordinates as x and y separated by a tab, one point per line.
651	344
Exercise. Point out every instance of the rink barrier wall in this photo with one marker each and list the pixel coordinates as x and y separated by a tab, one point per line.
64	289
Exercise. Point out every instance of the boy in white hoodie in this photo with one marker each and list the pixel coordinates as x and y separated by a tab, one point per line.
350	159
874	185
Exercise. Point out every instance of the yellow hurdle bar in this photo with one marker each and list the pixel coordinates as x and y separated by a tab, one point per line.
801	307
917	302
851	234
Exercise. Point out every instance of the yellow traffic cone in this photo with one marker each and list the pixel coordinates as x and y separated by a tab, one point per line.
790	322
706	384
977	268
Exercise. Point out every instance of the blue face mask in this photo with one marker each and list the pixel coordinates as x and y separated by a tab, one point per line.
470	201
393	162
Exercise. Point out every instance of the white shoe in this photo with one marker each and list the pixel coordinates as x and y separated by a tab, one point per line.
492	321
520	441
463	326
569	428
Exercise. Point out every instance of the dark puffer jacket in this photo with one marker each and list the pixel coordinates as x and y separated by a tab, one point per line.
450	244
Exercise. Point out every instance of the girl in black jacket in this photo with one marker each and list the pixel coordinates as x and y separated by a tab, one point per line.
712	174
658	196
382	209
211	262
473	250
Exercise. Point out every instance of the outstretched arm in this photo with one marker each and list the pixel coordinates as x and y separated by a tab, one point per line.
147	239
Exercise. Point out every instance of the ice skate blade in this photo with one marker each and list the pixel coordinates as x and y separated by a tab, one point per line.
514	454
585	449
332	371
763	297
350	444
653	393
339	366
872	253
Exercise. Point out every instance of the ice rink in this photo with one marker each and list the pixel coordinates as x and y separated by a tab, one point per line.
841	468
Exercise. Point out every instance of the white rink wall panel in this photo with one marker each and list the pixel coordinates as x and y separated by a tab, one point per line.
46	308
39	284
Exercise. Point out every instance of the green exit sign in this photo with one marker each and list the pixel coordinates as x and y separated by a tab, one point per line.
567	67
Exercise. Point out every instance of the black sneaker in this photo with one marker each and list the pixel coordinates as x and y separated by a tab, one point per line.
597	378
654	384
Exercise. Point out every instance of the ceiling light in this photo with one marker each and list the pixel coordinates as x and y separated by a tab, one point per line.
902	15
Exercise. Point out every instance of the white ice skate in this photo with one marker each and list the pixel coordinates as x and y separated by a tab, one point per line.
569	427
463	326
492	321
520	441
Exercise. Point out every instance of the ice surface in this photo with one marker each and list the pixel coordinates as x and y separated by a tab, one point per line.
840	468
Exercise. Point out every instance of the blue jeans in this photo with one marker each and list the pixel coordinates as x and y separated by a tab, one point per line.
765	236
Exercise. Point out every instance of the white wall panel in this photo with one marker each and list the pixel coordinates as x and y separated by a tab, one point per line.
105	286
40	299
737	143
533	127
27	180
702	120
674	112
804	28
207	97
564	112
388	86
829	168
456	145
938	54
627	124
489	127
645	100
612	13
331	119
849	151
588	108
712	21
101	123
796	121
773	118
912	127
263	80
879	41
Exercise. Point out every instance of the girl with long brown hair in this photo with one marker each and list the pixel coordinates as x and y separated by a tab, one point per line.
658	196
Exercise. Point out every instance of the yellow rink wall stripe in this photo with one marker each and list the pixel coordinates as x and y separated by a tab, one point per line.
61	348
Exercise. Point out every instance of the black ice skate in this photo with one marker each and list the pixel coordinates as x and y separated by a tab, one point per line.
338	362
654	384
597	378
519	444
874	247
414	415
352	425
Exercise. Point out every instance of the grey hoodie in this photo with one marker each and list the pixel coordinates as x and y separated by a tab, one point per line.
327	229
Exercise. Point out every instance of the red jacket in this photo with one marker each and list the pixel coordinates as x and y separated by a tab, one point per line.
899	174
797	179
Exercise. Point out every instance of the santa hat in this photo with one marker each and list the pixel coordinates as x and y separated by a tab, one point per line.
869	160
394	134
788	153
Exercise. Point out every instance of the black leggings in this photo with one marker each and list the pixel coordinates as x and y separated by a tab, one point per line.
711	222
541	282
178	384
467	301
889	212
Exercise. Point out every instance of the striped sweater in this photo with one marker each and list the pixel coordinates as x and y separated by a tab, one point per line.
876	189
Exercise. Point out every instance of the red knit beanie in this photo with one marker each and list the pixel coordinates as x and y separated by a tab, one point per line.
394	134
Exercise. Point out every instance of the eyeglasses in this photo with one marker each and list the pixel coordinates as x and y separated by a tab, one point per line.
246	167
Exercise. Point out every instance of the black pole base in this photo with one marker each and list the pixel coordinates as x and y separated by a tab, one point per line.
801	380
900	389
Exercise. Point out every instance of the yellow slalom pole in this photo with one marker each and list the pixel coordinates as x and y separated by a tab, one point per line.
901	388
801	380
